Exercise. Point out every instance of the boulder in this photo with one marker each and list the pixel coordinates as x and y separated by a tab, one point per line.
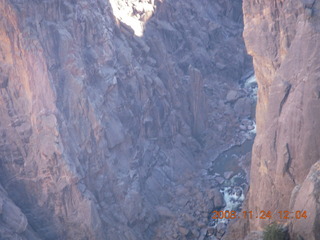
220	179
218	199
232	96
164	211
243	107
228	174
184	231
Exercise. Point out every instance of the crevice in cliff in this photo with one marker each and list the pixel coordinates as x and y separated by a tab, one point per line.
275	142
285	97
287	164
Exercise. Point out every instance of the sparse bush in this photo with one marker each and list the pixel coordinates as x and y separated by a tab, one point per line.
275	231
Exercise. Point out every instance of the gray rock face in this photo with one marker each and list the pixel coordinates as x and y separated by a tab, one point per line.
104	133
13	223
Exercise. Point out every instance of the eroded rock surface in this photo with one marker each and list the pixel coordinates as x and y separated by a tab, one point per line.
13	223
107	135
283	38
306	200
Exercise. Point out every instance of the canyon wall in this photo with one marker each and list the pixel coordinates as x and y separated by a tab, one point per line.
106	130
283	38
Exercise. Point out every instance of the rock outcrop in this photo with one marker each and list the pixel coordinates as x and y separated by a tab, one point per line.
306	198
13	223
107	132
283	38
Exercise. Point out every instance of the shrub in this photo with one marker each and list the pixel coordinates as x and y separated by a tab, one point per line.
275	231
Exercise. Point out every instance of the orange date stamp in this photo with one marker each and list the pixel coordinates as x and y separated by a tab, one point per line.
259	215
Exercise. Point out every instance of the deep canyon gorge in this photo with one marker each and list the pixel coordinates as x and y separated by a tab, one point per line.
136	119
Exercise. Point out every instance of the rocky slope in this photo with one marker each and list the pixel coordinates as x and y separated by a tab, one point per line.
283	38
107	129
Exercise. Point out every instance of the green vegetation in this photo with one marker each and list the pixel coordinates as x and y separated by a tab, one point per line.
275	231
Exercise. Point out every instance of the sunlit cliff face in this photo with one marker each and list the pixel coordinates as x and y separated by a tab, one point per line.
135	14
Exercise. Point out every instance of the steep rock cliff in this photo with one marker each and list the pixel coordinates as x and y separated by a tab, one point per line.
283	38
107	130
